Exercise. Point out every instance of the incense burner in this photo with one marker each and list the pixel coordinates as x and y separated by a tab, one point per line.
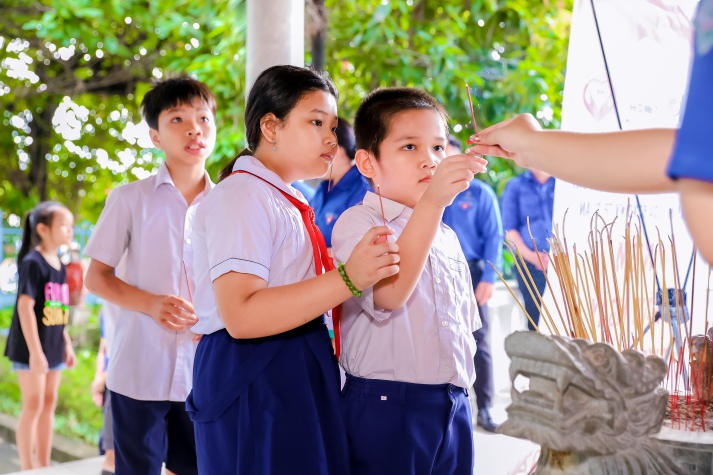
592	409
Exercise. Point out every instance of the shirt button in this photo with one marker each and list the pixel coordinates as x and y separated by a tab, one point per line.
444	323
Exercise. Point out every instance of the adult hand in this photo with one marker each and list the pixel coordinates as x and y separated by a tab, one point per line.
508	139
539	259
483	292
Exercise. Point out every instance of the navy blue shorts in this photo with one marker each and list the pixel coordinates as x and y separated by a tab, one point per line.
149	433
407	428
268	406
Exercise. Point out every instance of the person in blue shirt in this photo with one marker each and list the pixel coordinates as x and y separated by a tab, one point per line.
474	215
343	186
526	207
304	188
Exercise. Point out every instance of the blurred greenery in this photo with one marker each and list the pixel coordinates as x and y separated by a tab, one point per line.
93	61
76	415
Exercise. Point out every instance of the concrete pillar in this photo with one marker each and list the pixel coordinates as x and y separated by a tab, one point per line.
275	35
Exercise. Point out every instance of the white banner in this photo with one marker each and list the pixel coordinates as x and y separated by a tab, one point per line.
647	45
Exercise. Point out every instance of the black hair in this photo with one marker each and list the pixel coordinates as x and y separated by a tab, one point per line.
43	213
345	137
171	92
276	90
372	120
453	141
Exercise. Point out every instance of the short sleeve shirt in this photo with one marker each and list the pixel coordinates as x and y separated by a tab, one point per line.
246	225
144	232
692	156
527	200
48	287
429	340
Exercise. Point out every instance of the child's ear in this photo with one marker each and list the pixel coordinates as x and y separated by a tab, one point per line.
364	161
42	229
153	133
268	127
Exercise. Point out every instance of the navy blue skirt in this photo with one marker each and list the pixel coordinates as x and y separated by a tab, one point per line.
268	405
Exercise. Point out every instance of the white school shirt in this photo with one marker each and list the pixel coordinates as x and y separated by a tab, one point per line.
245	225
146	225
430	339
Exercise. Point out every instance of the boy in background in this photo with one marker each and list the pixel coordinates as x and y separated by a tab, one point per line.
148	224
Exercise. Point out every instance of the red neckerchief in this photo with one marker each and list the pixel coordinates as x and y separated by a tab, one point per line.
322	261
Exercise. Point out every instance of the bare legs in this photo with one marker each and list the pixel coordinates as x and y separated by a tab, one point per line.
35	426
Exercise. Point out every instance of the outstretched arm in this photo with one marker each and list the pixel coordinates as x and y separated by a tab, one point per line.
631	161
697	203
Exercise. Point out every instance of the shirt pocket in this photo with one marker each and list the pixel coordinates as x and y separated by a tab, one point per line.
458	276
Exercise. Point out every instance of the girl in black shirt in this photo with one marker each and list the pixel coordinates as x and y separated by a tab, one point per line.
38	343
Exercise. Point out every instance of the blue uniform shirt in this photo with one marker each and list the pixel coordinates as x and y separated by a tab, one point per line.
329	205
692	156
474	215
306	190
525	197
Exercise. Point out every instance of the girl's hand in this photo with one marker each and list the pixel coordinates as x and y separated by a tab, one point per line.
173	313
38	362
452	176
508	139
373	259
70	359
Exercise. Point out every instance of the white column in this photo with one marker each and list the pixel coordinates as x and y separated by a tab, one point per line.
275	35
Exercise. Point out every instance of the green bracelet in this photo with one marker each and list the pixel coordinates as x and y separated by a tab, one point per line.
355	292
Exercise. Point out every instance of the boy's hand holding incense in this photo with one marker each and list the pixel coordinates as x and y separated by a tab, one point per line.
373	259
452	176
508	139
172	312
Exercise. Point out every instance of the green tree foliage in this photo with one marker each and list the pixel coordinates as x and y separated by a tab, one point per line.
94	60
511	53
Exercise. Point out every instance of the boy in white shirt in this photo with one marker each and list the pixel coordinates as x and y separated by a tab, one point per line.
148	224
407	342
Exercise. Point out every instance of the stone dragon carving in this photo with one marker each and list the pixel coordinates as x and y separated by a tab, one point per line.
592	408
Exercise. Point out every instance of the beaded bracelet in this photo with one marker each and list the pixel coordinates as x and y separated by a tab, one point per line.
355	292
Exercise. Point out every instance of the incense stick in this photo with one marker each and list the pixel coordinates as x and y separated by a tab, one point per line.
188	285
381	204
472	110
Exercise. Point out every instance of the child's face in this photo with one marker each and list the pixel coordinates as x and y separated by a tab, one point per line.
60	231
186	133
414	145
306	140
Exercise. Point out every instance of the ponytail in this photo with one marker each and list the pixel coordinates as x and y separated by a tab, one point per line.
27	231
43	213
228	169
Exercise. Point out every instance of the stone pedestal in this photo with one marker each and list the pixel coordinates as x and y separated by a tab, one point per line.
692	451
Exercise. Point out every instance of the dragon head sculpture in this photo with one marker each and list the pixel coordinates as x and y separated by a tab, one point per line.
582	396
592	408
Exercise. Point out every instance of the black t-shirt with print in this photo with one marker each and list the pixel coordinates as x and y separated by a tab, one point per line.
48	287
